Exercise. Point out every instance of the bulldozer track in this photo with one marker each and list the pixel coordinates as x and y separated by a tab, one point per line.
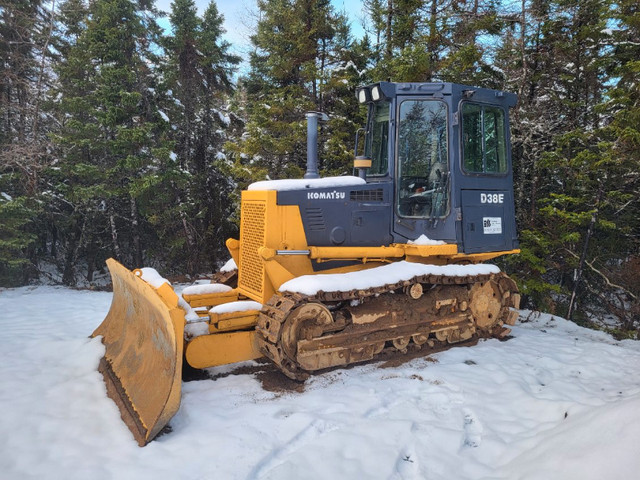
306	333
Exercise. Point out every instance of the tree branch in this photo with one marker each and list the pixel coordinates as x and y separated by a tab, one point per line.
604	277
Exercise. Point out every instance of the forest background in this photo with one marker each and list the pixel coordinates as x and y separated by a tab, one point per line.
121	138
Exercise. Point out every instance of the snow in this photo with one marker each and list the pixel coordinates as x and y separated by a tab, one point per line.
302	183
196	329
206	289
239	306
151	276
224	118
6	196
424	240
190	314
554	402
229	266
379	276
163	115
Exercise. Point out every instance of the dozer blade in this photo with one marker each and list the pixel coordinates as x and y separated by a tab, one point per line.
142	366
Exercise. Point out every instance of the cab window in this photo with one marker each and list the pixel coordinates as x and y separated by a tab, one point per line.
483	139
377	140
423	159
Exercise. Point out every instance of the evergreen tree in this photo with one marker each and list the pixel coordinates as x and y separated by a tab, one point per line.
25	28
436	40
568	181
113	138
301	63
199	81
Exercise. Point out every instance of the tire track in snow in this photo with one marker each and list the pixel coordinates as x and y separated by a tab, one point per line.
278	456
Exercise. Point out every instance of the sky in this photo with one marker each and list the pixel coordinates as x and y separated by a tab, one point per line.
240	19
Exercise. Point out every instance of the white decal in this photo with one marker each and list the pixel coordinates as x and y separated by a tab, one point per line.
335	195
491	225
492	198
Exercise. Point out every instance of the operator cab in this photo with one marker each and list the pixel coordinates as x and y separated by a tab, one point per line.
443	152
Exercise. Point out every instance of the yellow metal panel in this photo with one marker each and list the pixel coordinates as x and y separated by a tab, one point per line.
252	237
429	250
276	227
219	317
237	323
211	299
481	257
220	322
221	349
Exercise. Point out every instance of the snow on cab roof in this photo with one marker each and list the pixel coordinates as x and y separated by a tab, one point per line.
302	183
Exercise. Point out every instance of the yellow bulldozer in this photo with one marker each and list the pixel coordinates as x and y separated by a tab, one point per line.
333	271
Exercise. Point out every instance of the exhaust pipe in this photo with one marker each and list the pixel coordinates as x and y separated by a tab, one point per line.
312	142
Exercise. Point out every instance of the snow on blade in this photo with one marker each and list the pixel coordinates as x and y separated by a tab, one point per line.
206	289
151	276
379	276
240	306
303	183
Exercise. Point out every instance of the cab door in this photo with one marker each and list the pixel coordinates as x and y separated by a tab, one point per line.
422	173
487	211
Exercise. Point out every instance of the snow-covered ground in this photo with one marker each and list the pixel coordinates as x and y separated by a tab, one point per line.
555	401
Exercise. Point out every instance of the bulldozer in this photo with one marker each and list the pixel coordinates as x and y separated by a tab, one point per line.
334	271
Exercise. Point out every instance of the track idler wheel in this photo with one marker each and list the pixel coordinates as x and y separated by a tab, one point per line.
304	323
485	304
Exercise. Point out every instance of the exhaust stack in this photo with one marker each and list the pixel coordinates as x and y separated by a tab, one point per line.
312	142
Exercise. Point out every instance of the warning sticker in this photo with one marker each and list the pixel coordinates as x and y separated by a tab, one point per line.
491	225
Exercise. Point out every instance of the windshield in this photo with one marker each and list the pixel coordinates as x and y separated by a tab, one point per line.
423	159
377	139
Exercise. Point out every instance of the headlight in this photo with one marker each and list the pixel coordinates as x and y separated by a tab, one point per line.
363	95
376	94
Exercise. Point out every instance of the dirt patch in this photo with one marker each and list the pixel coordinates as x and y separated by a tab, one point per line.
271	379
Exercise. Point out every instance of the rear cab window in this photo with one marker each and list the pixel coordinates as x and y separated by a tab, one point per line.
484	139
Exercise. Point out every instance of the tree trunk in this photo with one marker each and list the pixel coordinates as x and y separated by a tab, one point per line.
135	230
583	257
433	39
114	236
389	45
